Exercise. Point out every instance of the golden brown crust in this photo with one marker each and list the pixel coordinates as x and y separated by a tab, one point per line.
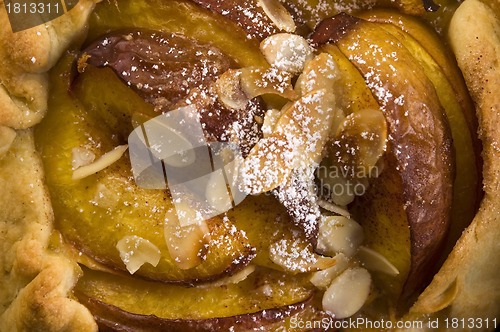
26	56
467	285
34	284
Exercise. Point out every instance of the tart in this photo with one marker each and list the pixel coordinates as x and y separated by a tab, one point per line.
250	165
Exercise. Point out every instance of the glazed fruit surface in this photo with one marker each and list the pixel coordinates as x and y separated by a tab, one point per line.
426	149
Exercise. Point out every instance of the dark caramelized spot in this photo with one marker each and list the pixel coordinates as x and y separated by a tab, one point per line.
163	68
430	5
170	71
332	29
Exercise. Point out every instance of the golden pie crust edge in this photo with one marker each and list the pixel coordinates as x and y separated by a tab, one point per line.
468	284
35	284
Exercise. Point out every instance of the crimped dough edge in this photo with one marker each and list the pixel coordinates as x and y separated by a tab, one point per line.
35	285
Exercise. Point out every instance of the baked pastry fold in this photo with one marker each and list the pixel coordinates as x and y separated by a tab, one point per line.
467	286
34	284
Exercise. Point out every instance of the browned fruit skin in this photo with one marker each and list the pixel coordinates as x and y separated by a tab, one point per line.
440	66
168	71
95	227
420	139
84	122
113	301
309	13
163	68
111	318
181	17
443	56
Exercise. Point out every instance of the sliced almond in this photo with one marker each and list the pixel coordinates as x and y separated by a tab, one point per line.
299	135
297	142
81	156
256	81
236	87
360	142
321	72
233	279
229	90
186	244
105	161
136	251
347	293
287	52
294	256
217	194
270	119
322	279
339	234
374	261
267	166
306	125
278	14
334	208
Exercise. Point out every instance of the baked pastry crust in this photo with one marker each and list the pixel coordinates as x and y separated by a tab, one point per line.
35	284
468	285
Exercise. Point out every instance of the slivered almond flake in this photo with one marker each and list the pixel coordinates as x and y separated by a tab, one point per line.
294	257
297	142
287	52
234	279
334	208
360	141
236	87
186	244
229	90
106	160
321	72
136	251
339	234
322	279
270	119
81	156
278	15
267	166
347	293
374	261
